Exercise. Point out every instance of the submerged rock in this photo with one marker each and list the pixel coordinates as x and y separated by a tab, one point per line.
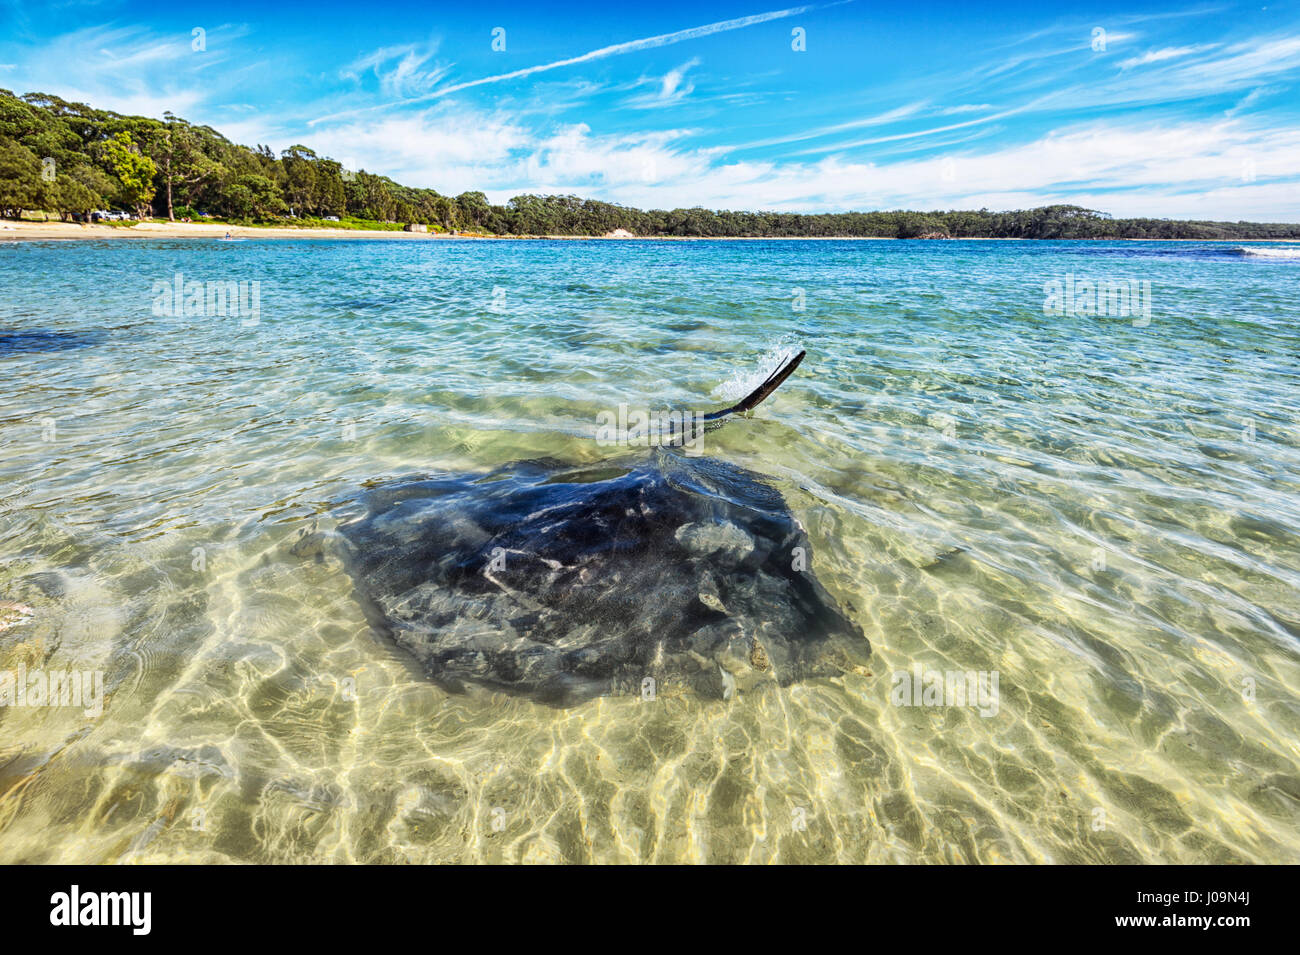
565	583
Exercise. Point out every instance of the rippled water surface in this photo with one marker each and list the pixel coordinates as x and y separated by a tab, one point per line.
1103	512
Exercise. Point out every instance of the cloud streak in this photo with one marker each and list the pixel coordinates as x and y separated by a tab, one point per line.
1167	53
616	49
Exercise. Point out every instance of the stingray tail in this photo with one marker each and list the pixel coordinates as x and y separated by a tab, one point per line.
757	396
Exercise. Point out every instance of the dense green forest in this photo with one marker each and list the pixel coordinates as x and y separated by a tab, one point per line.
69	159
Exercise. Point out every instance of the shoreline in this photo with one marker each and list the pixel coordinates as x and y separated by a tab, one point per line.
29	231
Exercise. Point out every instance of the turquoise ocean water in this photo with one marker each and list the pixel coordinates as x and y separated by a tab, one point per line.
1101	507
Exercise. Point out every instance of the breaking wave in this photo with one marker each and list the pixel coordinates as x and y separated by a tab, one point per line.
1269	252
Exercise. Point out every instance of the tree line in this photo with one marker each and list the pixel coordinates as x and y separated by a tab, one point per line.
70	159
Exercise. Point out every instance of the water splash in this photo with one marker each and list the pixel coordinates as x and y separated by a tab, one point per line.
747	379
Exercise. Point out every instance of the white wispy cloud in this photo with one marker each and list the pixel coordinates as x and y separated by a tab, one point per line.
132	69
1253	97
1165	53
632	46
668	90
1244	63
1083	44
400	70
931	131
1216	70
963	108
672	84
458	150
886	118
616	49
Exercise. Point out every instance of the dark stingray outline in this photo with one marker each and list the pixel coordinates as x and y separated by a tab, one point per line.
14	341
728	484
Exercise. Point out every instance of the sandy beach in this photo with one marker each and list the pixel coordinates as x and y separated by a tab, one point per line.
11	230
44	231
19	231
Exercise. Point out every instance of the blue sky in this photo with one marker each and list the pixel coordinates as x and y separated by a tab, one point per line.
1162	109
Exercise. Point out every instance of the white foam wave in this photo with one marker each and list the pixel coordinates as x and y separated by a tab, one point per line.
1270	252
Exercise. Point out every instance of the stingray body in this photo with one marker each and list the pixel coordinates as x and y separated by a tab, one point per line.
563	583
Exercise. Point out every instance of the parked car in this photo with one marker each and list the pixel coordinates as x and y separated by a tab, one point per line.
330	218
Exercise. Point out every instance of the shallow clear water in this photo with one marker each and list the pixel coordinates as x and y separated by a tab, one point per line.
1103	513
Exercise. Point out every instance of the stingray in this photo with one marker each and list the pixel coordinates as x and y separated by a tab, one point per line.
562	583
